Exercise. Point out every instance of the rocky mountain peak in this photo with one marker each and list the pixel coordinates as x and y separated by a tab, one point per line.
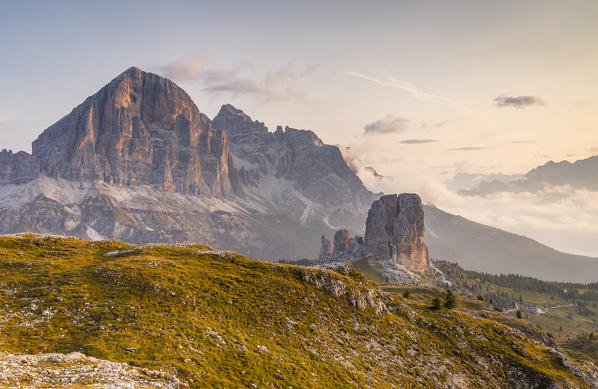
139	129
239	126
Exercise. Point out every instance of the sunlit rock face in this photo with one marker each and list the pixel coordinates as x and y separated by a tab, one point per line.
395	231
139	129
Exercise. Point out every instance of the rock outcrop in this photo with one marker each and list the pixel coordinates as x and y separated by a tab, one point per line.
341	241
394	237
77	370
326	249
344	249
395	231
18	168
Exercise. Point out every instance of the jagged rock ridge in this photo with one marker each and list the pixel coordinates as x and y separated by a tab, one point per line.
18	168
343	249
319	179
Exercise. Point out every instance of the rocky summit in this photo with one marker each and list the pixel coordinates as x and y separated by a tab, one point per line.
395	230
139	129
294	167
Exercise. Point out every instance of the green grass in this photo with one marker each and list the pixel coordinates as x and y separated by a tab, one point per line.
370	269
227	321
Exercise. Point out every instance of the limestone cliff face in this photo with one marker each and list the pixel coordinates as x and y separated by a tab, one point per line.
139	129
395	231
314	170
18	168
325	249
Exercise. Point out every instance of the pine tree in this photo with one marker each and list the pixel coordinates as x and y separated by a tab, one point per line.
450	301
436	303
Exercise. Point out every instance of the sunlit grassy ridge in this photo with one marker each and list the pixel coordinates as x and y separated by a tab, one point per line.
220	320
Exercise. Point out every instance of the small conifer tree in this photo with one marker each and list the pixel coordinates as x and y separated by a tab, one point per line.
450	301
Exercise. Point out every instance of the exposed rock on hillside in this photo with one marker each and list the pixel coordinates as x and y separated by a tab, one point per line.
62	370
395	231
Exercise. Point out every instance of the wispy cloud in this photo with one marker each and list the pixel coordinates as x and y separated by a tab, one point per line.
405	86
275	85
467	148
518	101
184	70
373	172
357	165
417	141
523	142
413	91
387	125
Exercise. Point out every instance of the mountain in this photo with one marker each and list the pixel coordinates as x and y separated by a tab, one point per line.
186	315
137	161
296	170
478	247
581	174
140	129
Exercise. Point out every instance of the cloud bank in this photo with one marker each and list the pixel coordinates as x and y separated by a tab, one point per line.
519	102
417	141
387	125
467	148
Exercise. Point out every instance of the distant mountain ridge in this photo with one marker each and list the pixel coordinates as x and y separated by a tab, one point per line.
478	247
581	174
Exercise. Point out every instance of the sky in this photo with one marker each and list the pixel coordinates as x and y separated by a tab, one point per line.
419	91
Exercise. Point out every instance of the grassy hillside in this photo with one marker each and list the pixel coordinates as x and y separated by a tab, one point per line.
217	319
568	312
